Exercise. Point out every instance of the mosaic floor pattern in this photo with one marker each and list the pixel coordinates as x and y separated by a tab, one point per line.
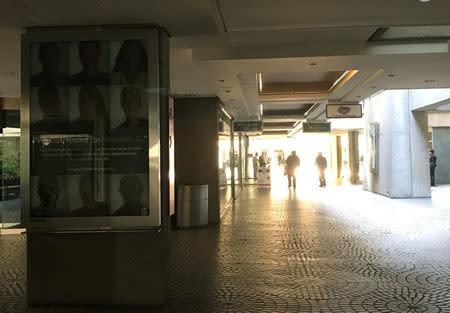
333	250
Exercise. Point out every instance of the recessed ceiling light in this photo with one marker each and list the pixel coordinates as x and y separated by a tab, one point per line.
424	0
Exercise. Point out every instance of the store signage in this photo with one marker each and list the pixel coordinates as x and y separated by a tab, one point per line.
344	111
310	127
242	126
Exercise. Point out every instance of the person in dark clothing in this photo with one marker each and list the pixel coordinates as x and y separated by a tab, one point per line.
255	165
131	190
51	75
262	159
54	120
88	186
92	108
89	53
292	163
48	192
433	160
135	129
321	164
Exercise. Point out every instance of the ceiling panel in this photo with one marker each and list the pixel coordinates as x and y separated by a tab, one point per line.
251	15
180	17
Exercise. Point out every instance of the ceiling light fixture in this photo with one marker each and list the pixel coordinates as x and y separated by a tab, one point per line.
261	108
312	63
423	1
391	75
338	80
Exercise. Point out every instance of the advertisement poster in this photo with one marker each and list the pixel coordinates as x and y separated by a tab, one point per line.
89	128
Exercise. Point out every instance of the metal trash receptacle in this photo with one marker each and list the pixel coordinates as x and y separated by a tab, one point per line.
192	205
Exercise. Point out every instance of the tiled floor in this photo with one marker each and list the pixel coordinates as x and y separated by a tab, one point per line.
338	249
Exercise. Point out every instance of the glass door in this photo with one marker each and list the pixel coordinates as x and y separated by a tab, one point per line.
10	177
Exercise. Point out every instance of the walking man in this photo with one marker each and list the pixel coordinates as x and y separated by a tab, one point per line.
262	159
433	160
255	165
292	163
321	164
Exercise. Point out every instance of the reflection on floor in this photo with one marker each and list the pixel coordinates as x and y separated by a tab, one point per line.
338	249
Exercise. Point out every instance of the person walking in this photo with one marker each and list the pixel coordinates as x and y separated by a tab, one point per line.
433	160
292	163
321	163
255	165
262	159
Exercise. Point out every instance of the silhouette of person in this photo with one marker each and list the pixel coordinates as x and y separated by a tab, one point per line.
54	120
292	163
321	164
433	161
135	128
255	165
51	75
92	113
131	64
90	53
48	192
131	190
88	186
131	103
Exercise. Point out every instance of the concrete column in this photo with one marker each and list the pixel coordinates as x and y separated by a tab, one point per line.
353	156
197	148
232	164
401	147
338	157
241	177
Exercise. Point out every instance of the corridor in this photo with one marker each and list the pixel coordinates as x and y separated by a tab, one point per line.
338	249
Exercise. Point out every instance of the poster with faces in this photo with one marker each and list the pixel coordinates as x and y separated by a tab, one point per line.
89	128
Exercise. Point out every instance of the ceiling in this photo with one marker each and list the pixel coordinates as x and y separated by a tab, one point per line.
218	46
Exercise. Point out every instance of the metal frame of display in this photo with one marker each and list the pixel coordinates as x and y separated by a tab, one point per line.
107	33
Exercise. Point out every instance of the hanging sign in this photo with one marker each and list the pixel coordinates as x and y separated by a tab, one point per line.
241	126
344	111
311	127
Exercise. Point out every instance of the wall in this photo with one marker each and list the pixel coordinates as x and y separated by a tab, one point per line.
403	147
197	148
441	145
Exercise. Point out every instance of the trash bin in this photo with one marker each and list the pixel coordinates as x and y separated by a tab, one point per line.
192	205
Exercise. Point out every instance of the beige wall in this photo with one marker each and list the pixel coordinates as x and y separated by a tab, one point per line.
439	119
